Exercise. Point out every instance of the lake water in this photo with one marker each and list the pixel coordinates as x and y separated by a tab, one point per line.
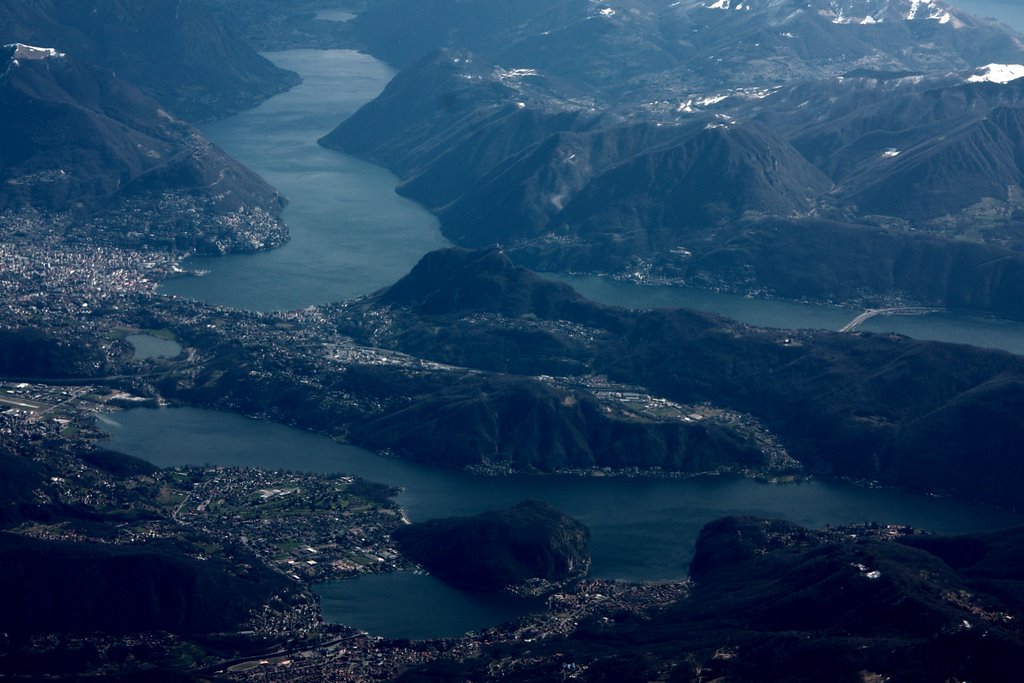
148	346
642	529
351	234
416	606
956	328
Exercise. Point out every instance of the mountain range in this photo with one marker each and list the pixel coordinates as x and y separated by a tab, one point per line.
113	165
183	53
771	600
735	145
920	415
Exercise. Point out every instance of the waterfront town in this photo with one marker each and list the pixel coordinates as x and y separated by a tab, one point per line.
310	528
87	300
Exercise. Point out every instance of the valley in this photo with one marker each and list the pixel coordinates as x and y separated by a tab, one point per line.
346	338
799	165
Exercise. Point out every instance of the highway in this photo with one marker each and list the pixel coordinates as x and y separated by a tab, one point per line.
898	310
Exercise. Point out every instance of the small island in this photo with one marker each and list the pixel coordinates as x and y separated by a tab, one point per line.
500	549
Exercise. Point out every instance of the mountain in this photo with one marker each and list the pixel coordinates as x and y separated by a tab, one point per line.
75	587
80	142
772	600
501	548
907	413
525	425
680	140
462	280
733	44
30	352
179	52
719	172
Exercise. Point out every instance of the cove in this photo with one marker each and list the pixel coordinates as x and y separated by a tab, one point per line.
643	529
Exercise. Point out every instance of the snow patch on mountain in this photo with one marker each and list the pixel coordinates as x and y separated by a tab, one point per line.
19	52
31	52
998	73
859	12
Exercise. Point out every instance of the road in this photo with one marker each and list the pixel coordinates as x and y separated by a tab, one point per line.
897	310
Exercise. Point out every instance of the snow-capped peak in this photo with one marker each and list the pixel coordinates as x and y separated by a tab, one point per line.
998	73
863	12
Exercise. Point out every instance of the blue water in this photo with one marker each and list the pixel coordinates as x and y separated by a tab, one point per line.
353	235
643	528
350	233
148	346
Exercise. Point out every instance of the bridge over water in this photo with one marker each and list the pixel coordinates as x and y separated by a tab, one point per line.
896	310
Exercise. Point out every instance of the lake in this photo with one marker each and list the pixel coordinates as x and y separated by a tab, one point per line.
642	528
148	346
351	234
956	328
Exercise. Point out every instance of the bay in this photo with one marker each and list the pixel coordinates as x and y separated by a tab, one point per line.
416	606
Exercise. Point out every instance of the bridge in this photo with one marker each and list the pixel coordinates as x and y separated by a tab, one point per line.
897	310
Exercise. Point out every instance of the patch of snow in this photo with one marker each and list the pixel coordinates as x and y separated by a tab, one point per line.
708	101
936	12
998	73
31	52
504	74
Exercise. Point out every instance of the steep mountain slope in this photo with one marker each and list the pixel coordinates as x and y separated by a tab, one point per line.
86	587
500	548
774	601
76	140
919	415
177	51
651	137
718	172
